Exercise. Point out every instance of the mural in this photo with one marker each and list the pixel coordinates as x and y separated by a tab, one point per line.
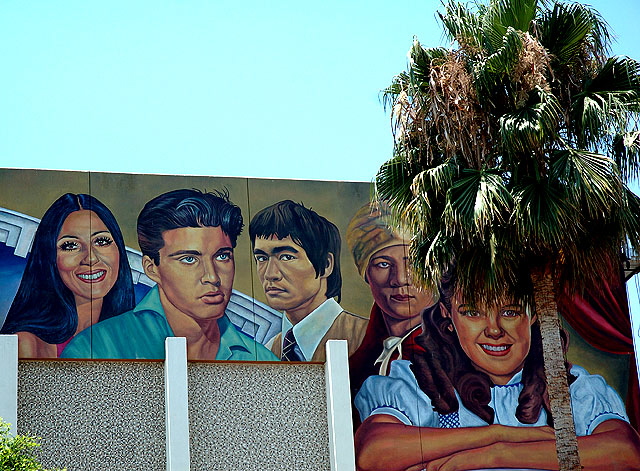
83	257
77	274
484	371
97	265
297	254
394	323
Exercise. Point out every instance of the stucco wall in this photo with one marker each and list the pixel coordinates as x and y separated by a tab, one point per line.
111	415
258	416
94	415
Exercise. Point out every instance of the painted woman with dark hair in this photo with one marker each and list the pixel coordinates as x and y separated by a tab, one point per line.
477	398
76	275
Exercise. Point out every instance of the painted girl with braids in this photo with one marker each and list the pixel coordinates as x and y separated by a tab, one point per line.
477	399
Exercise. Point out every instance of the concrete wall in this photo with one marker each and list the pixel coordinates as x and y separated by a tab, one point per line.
174	415
258	416
94	415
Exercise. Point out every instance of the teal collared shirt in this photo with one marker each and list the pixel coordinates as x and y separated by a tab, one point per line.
140	334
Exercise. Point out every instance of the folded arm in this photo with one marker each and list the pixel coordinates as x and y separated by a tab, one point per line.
385	443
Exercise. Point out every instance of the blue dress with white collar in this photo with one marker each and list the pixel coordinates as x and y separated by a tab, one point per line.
593	401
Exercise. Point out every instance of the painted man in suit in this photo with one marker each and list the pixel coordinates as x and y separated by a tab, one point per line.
297	254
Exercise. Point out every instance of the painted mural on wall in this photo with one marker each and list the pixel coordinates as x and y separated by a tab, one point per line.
81	283
476	398
96	265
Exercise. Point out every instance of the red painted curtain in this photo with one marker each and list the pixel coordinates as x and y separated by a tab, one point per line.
602	318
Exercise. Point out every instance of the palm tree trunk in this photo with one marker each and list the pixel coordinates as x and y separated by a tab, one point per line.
557	383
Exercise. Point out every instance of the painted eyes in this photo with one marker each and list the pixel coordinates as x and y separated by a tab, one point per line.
223	257
470	313
380	262
192	259
103	241
510	313
69	246
507	313
284	257
383	265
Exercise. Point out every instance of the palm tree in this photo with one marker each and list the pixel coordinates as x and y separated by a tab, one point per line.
513	149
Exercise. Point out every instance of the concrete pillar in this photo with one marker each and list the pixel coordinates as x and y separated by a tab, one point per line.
176	404
9	380
341	449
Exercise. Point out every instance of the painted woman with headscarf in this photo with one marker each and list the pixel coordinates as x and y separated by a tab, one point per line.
381	255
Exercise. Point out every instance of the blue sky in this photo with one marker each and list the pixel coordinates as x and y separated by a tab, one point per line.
283	89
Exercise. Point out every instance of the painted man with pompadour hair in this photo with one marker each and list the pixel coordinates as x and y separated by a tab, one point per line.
297	254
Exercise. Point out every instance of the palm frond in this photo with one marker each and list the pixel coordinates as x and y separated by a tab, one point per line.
431	256
429	190
543	217
618	74
491	269
626	152
630	221
504	14
421	60
461	25
531	127
490	73
440	177
592	122
570	28
531	71
604	108
393	182
399	84
505	57
477	201
592	182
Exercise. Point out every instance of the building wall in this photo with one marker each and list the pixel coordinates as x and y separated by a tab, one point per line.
111	415
232	424
258	416
94	415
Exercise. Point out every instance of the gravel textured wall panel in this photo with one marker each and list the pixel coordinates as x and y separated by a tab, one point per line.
94	415
258	417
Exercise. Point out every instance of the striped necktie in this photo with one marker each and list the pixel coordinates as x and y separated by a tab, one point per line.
288	347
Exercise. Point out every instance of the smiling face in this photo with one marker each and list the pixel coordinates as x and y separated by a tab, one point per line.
391	286
496	339
288	277
87	256
195	274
